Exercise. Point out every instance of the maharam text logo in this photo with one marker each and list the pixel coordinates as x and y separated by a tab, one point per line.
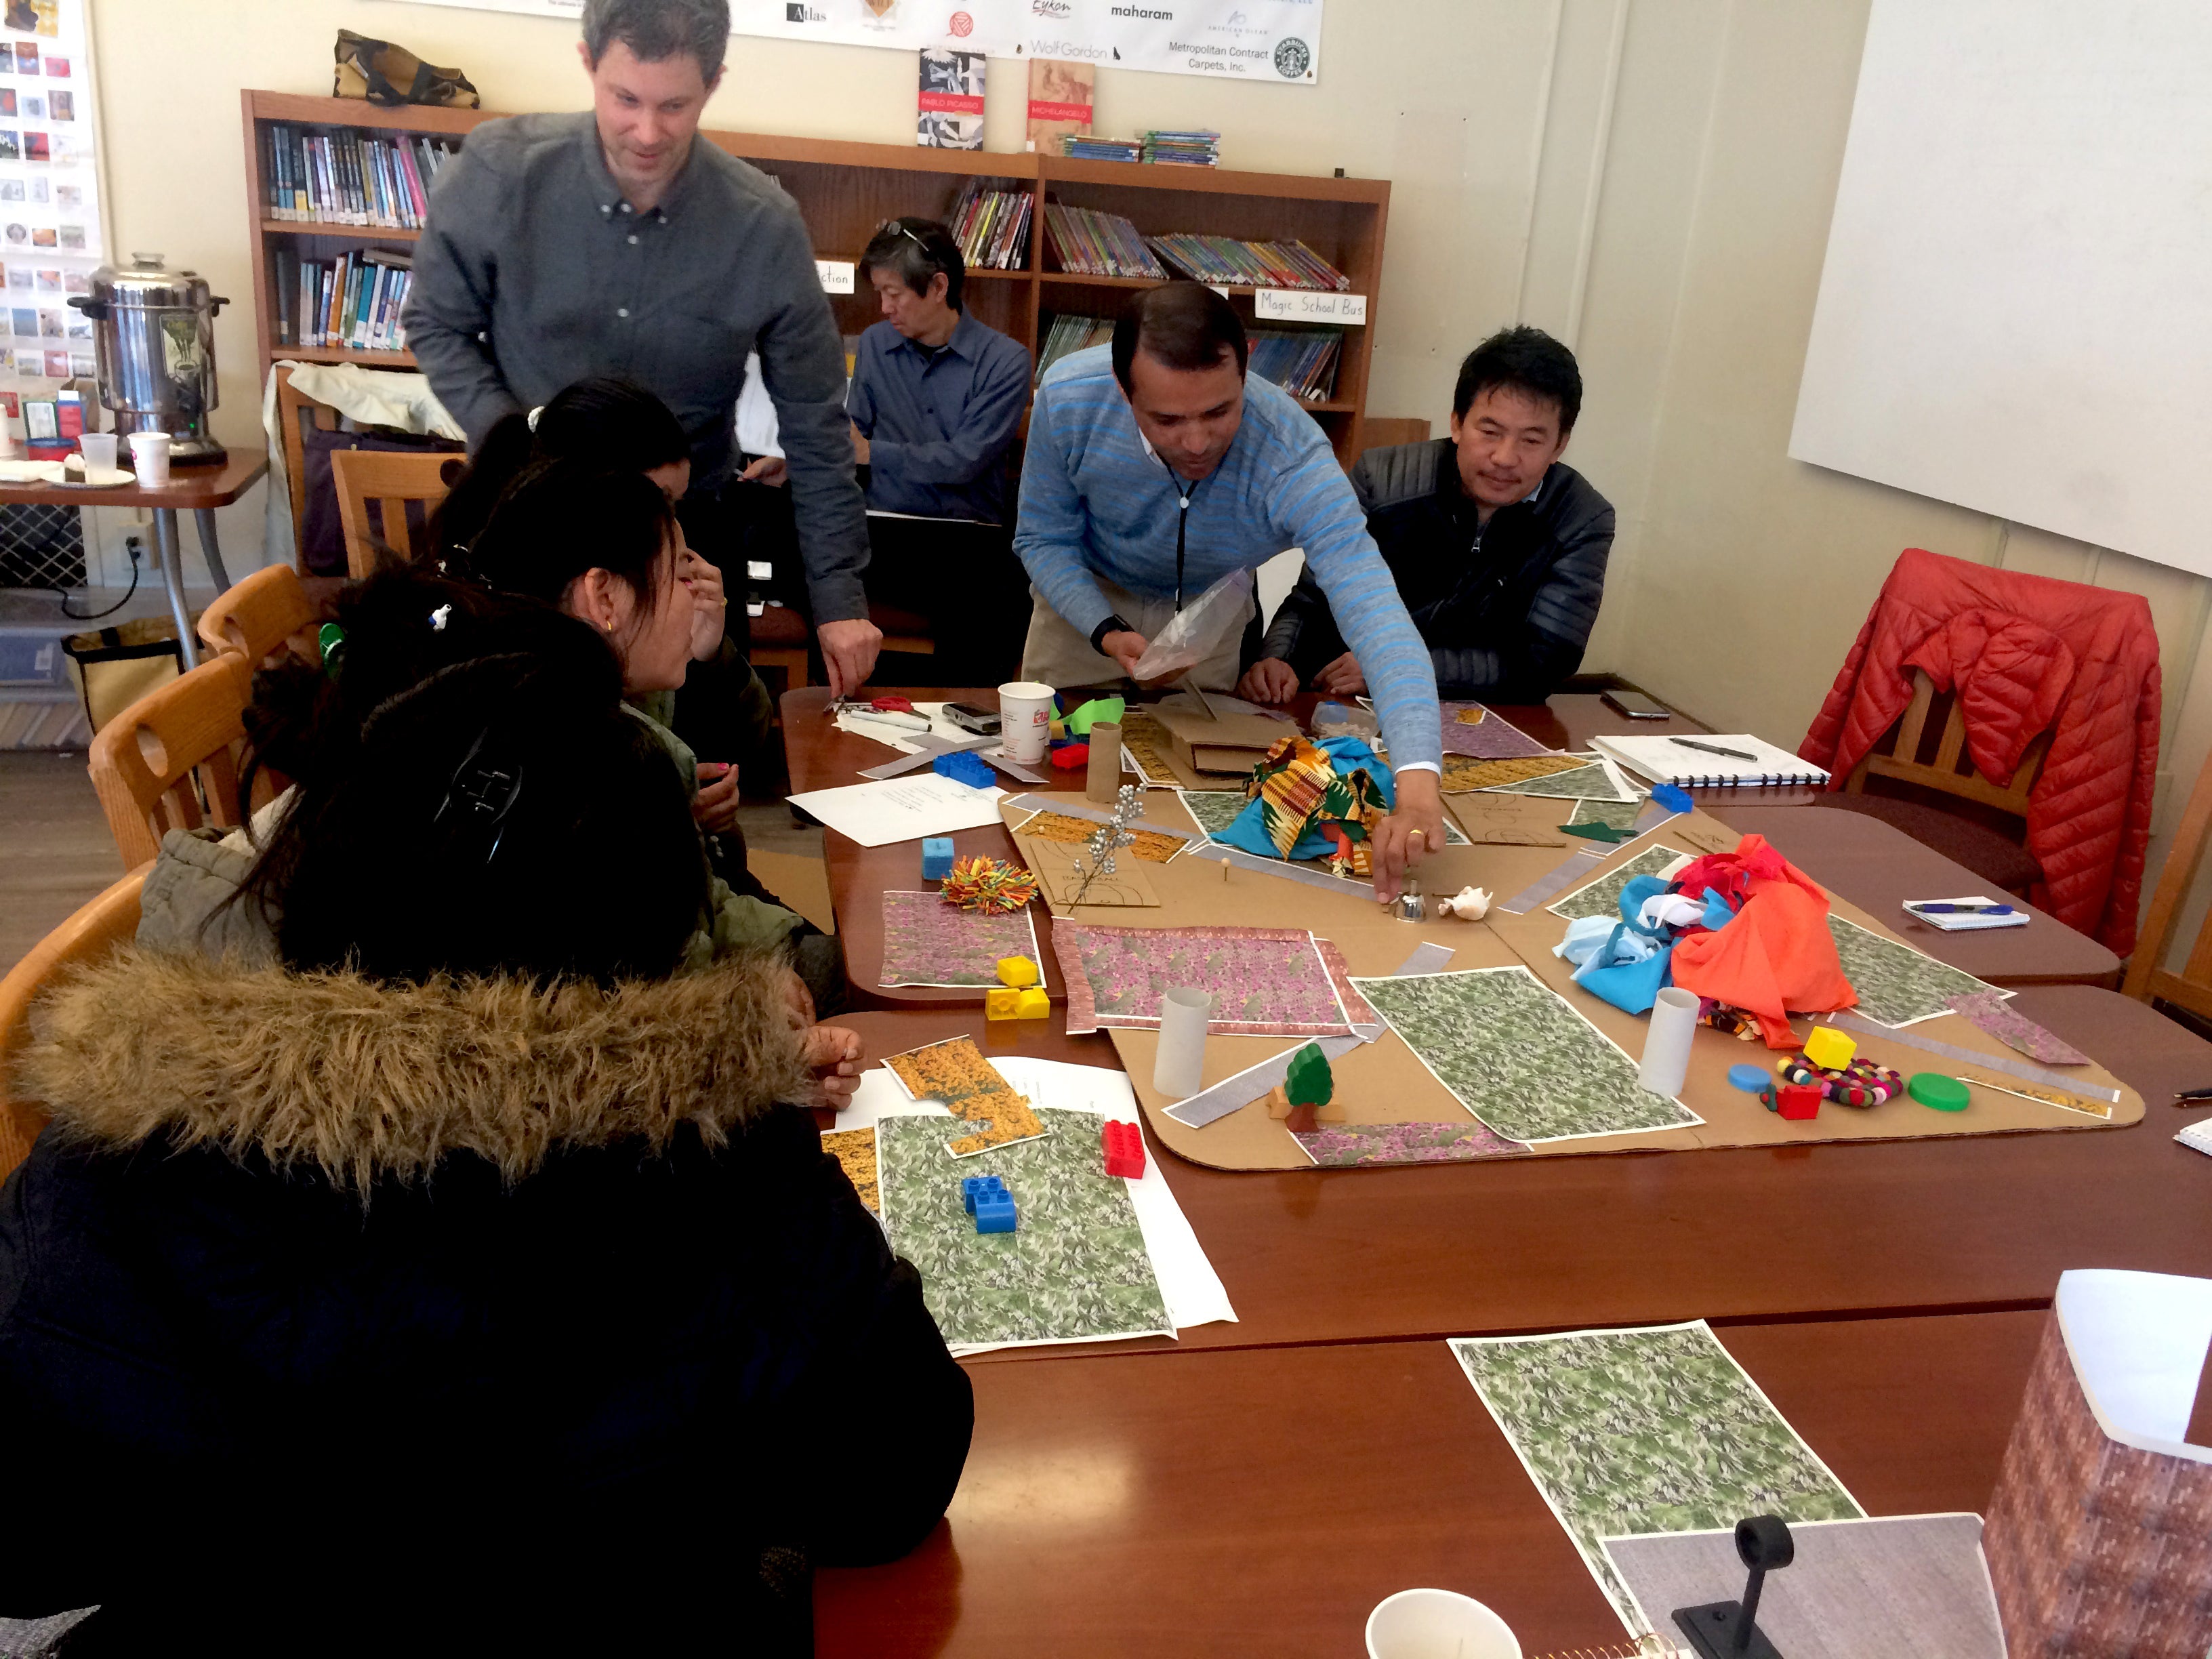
1147	12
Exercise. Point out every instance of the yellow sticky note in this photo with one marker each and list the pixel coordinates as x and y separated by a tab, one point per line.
1033	1004
1018	972
1002	1002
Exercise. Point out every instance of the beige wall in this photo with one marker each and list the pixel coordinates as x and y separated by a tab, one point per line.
1651	179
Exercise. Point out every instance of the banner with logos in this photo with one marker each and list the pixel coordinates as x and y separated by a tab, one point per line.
1276	41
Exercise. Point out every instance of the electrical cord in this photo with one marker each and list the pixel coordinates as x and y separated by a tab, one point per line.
62	594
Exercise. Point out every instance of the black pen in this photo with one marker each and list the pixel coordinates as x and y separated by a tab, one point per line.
1713	749
2192	1094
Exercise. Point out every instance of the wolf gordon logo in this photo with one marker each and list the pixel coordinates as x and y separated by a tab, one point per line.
1051	9
1149	13
1292	60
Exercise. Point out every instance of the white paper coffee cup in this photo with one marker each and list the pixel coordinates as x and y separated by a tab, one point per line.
98	449
1025	720
1436	1624
149	458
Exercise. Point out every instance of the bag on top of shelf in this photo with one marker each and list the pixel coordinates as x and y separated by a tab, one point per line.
386	73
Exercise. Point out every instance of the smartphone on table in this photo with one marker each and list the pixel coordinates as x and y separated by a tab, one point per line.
1635	705
983	722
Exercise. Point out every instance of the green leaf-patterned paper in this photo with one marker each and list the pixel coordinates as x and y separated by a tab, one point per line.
1602	897
1591	782
1615	814
1074	1269
1897	984
1514	1053
1644	1431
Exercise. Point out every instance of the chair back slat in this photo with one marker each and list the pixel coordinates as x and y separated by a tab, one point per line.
94	930
1949	769
390	479
2149	979
267	612
153	764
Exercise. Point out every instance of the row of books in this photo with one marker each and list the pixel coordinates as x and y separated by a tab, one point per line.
1302	363
992	227
352	301
1069	332
1090	146
1093	244
1261	265
349	178
1188	150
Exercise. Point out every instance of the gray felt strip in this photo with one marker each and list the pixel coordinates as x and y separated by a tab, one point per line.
1650	819
2005	1063
1231	1094
1577	868
931	747
1015	769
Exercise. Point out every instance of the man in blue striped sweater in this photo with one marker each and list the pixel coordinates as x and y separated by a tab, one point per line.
1154	469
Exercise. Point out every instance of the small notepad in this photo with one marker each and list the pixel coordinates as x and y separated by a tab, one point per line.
1666	760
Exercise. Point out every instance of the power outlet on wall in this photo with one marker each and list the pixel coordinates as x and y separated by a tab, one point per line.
108	549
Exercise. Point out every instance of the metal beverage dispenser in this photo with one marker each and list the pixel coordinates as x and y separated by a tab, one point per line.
154	343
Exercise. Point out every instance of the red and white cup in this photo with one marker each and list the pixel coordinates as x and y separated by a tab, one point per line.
1025	720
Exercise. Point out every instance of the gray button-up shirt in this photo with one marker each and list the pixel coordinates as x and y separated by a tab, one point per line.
533	272
938	426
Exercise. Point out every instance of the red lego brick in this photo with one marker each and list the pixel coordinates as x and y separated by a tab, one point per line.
1124	1149
1801	1101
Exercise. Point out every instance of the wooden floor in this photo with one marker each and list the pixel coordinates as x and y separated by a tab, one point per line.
56	853
55	850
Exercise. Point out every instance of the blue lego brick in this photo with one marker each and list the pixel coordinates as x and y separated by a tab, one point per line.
964	768
986	1198
936	857
971	1186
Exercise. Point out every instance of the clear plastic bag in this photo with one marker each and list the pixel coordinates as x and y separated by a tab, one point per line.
1196	631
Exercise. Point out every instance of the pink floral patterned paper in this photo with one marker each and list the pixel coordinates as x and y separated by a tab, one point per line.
1490	738
929	942
1988	1011
1362	1146
1265	981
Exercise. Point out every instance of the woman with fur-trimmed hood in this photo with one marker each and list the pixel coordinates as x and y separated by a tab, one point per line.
472	1280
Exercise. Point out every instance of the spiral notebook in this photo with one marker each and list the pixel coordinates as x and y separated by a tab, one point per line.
1671	760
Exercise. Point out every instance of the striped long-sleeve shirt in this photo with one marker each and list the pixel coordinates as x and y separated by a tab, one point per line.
1093	499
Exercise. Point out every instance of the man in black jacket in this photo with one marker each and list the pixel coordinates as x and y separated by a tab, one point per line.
1498	549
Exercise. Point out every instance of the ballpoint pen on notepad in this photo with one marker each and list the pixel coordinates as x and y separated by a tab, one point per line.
1943	908
1713	749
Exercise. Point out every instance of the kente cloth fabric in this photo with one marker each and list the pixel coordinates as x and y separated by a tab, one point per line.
2027	654
1314	798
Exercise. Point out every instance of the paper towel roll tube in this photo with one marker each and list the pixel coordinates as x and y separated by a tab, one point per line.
1102	781
1666	1045
1179	1069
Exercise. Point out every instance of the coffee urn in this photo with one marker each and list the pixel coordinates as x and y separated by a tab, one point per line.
153	341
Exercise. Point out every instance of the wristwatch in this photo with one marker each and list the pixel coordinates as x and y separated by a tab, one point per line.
1115	625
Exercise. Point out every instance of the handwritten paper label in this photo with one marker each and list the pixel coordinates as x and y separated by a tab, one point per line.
837	277
1291	305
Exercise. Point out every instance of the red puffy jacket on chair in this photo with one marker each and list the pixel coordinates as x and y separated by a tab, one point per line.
2021	650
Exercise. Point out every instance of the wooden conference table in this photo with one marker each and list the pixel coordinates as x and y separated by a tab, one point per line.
196	489
1261	1502
1865	860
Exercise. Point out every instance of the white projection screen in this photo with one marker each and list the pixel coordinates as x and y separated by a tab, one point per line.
2015	315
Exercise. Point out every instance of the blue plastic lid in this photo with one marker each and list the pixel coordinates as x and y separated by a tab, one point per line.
1749	1078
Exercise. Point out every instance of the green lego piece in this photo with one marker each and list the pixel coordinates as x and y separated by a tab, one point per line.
1308	1082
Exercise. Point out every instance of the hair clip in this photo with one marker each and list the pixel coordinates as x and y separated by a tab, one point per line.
480	796
438	618
330	639
533	417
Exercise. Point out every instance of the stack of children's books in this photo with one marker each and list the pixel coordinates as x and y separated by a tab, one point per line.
1190	149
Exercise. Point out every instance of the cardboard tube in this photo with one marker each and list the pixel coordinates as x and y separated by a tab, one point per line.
1179	1070
1666	1065
1103	778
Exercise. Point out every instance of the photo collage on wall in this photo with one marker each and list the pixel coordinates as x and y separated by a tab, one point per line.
50	237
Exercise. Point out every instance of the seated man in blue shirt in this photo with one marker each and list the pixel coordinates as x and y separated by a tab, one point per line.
936	398
1154	469
1498	547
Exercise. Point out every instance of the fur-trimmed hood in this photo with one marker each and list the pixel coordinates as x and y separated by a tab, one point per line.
363	1082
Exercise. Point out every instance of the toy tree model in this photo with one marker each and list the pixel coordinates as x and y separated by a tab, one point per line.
1309	1086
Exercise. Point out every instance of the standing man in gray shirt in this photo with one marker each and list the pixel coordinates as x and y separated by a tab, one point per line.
559	247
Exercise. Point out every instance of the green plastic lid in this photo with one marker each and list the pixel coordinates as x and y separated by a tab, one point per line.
1938	1093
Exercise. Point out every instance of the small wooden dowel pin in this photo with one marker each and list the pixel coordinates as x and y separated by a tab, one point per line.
1103	775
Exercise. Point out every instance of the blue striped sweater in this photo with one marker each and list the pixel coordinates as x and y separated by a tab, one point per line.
1094	501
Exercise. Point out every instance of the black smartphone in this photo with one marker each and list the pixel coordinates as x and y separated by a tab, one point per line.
969	718
1635	705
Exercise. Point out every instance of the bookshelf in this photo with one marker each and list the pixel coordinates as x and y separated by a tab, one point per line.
844	190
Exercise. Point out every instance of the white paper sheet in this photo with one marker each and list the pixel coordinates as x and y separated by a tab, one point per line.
856	722
1192	1290
902	809
2138	1342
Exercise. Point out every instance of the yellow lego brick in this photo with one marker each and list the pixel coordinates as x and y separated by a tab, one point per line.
1033	1004
1829	1050
1002	1002
1018	972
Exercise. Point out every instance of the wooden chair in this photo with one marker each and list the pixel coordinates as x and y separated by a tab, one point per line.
2148	980
154	762
391	479
98	927
262	615
1384	431
297	415
1922	756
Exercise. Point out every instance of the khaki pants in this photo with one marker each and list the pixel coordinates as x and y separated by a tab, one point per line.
1062	658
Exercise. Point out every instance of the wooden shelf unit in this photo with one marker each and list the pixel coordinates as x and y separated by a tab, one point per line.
844	190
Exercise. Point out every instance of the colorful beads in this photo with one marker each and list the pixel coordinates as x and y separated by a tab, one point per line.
1862	1082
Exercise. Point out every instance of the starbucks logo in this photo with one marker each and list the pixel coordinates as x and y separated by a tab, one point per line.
1292	60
